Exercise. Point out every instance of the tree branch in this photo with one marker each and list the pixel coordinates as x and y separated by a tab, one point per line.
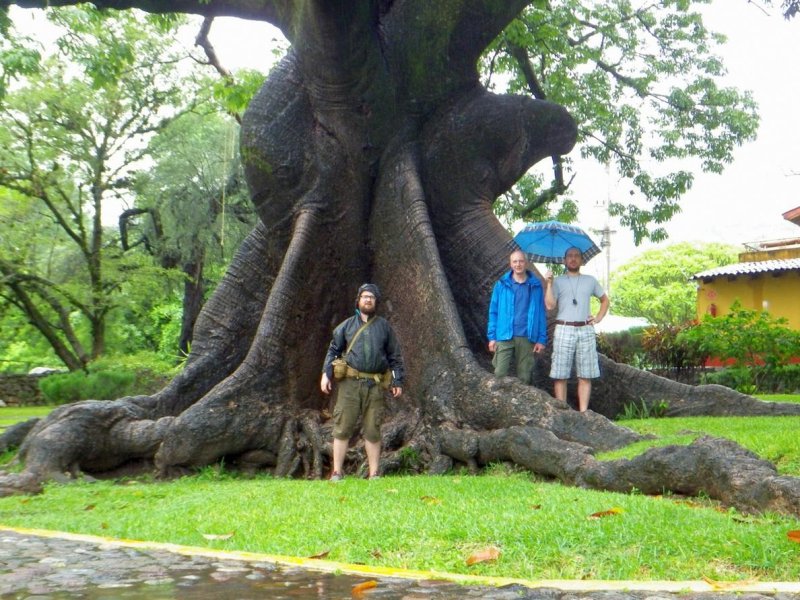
557	186
203	41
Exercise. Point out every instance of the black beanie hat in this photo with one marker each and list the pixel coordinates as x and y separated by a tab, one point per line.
369	287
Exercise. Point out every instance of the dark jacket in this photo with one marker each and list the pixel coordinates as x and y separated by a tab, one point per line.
501	311
375	350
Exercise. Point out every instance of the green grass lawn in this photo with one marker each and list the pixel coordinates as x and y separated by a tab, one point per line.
9	415
543	530
779	397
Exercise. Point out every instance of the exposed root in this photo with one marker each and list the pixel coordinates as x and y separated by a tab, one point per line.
14	435
534	448
27	482
717	467
622	385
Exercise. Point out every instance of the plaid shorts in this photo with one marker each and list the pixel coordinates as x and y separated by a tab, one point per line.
579	343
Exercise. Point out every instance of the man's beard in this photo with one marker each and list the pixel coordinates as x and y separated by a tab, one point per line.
367	311
573	269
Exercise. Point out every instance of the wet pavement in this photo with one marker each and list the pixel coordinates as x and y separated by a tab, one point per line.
34	567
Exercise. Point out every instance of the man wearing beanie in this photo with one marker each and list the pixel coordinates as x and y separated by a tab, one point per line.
369	345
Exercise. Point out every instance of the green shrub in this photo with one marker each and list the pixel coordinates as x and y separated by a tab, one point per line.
642	410
749	338
71	387
108	378
665	348
780	379
622	346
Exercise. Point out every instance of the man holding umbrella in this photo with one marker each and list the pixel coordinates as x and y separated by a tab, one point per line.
517	320
574	337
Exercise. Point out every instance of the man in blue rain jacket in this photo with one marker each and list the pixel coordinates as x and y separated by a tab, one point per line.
517	320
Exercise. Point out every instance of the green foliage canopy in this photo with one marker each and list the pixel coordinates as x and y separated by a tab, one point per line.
656	285
643	83
72	137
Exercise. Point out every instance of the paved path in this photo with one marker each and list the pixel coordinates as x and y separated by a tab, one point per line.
35	567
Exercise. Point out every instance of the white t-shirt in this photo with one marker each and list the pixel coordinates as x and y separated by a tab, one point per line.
573	293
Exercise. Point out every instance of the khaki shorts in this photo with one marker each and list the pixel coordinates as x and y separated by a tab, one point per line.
358	398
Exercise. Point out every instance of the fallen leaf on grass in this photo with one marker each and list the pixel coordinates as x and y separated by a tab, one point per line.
727	585
322	554
794	536
218	536
376	553
689	503
486	555
358	590
430	499
89	507
535	506
743	519
103	525
606	513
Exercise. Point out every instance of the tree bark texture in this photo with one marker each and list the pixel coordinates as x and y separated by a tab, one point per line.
373	154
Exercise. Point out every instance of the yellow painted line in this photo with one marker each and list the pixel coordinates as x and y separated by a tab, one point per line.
366	570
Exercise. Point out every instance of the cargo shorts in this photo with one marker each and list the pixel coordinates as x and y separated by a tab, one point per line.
358	398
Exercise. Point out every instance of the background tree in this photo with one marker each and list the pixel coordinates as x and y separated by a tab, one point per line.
372	152
642	81
71	141
192	207
657	284
29	237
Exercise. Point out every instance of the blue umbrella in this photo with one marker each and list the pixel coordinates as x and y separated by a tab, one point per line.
547	242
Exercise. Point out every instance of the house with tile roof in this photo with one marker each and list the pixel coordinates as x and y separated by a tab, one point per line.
767	277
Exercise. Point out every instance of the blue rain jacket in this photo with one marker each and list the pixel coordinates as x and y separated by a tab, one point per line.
501	311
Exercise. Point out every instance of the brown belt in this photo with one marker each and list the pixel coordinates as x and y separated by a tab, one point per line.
573	323
356	374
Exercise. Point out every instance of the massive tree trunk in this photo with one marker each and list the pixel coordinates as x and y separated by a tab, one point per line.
373	154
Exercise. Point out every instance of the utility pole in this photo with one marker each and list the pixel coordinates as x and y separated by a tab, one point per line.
605	245
605	233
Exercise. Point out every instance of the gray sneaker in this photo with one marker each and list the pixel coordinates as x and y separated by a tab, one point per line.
336	477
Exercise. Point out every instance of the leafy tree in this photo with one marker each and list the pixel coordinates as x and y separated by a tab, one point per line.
372	153
642	82
657	284
18	56
195	205
71	141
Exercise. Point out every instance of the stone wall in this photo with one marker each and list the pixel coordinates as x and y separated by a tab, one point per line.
21	390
